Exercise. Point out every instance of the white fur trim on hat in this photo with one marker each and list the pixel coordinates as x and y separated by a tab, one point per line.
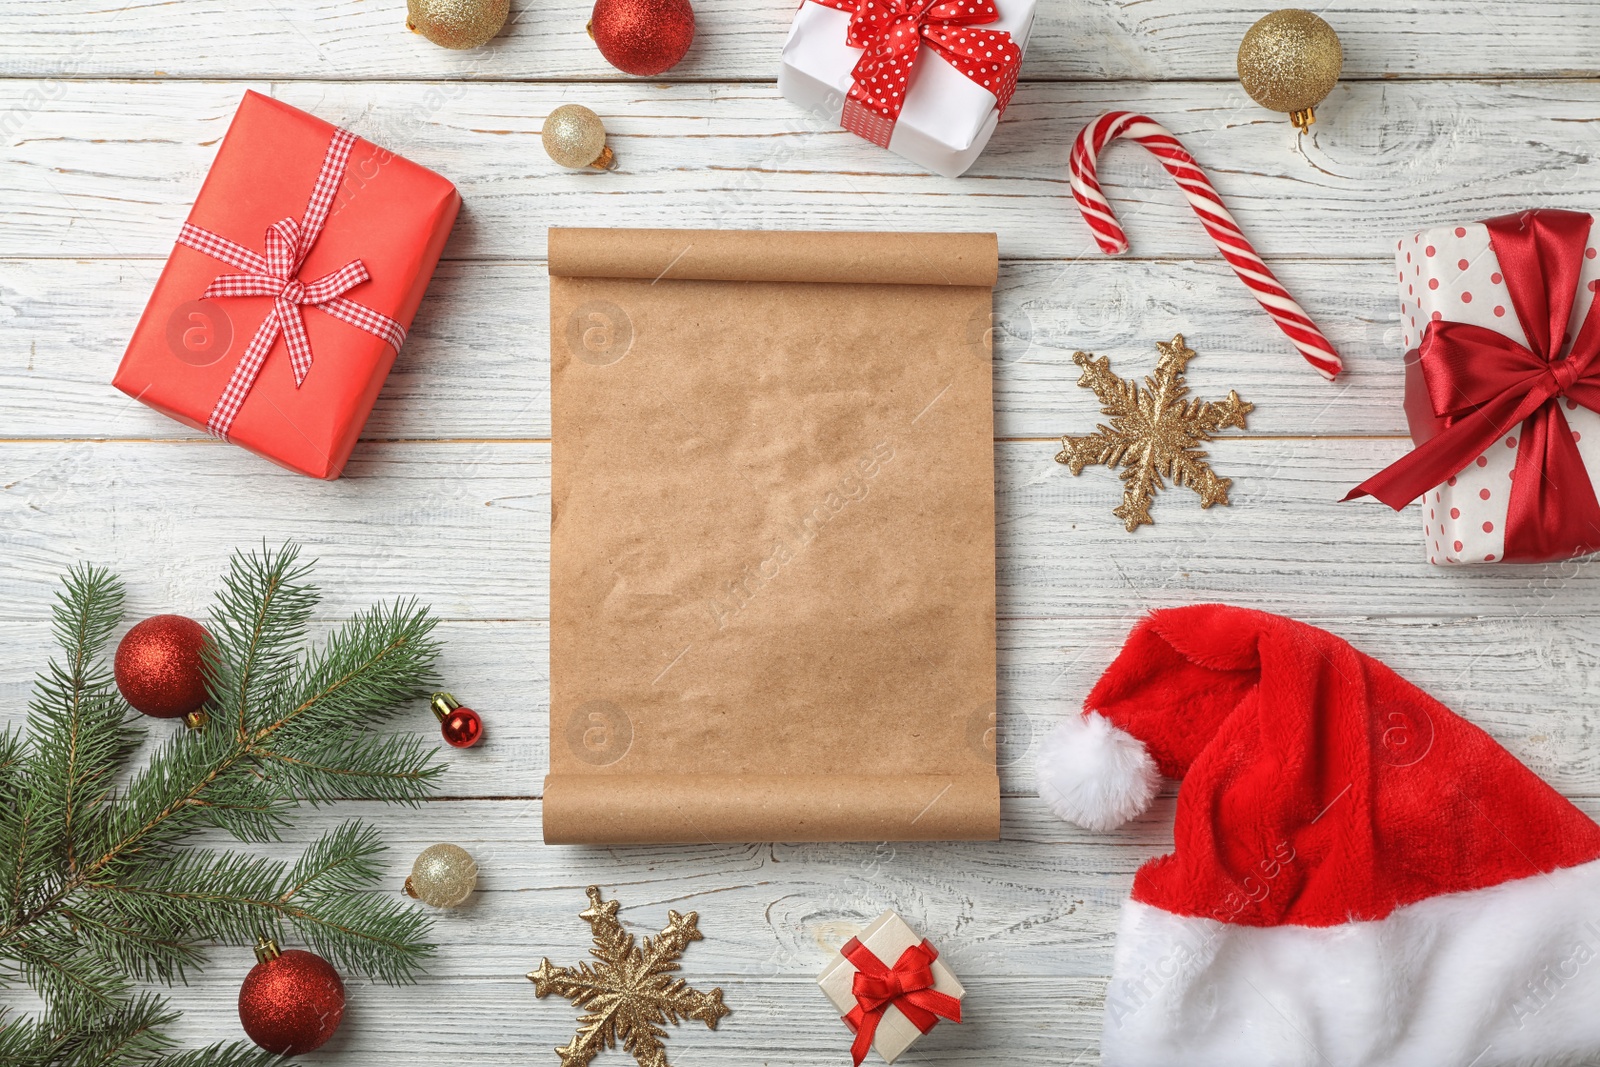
1095	774
1494	977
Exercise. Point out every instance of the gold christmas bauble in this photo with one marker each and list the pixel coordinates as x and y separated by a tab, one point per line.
443	876
457	23
1290	61
575	137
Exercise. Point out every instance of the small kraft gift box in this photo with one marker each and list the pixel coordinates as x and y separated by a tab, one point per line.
288	294
927	80
1502	389
891	987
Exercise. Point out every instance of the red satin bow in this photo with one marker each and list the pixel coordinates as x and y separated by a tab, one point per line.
1483	384
892	33
908	985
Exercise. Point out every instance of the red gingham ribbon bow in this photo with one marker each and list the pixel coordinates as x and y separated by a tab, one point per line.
908	985
277	274
892	33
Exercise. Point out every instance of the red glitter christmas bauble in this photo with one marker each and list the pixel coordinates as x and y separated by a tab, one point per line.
292	1001
462	728
642	37
158	666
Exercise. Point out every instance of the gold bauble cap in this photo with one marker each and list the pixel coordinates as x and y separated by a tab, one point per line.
1290	61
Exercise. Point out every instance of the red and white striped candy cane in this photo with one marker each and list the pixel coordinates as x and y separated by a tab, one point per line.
1289	316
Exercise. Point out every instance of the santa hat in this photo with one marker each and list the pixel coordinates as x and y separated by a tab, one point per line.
1360	876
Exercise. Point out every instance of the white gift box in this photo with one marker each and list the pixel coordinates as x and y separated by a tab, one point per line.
886	938
947	118
1451	273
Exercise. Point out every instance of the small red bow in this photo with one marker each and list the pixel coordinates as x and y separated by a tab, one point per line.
908	985
892	33
1482	385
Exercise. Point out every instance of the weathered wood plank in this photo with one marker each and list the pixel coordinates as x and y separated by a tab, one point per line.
789	1023
111	171
477	364
1525	680
464	526
466	529
1083	40
1029	924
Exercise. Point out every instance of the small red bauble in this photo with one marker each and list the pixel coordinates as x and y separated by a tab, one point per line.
460	726
158	666
291	1002
643	37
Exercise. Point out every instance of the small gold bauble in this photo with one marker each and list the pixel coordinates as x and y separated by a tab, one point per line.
1290	61
574	137
443	876
457	23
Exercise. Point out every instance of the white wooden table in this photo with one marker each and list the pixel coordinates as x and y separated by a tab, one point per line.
1450	109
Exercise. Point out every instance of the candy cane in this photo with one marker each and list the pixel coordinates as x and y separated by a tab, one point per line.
1289	316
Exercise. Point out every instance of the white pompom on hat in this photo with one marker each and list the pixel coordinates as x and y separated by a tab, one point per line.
1096	774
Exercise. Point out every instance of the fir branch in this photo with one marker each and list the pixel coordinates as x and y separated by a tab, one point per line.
81	734
131	1033
236	1054
22	862
23	1042
129	1036
142	953
341	861
84	731
193	897
258	626
75	984
204	896
96	889
397	769
363	672
13	755
376	935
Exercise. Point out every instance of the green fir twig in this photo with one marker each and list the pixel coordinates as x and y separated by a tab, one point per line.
99	885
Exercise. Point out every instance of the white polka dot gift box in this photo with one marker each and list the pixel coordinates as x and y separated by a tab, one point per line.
928	81
1502	389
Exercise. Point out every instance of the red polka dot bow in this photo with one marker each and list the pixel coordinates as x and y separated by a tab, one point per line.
277	274
908	986
891	34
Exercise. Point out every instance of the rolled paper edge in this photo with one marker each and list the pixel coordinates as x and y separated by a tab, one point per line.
614	809
960	259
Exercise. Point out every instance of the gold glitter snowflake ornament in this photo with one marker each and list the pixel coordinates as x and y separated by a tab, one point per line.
1153	432
631	992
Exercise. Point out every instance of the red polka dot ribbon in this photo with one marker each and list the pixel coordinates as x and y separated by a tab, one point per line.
277	274
891	34
908	986
1482	385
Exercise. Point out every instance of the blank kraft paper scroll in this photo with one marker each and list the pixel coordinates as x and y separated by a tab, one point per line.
772	584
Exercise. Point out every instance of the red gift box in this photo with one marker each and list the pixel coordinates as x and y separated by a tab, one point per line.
284	303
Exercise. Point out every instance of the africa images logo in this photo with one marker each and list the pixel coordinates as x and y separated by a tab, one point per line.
199	332
599	733
599	333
